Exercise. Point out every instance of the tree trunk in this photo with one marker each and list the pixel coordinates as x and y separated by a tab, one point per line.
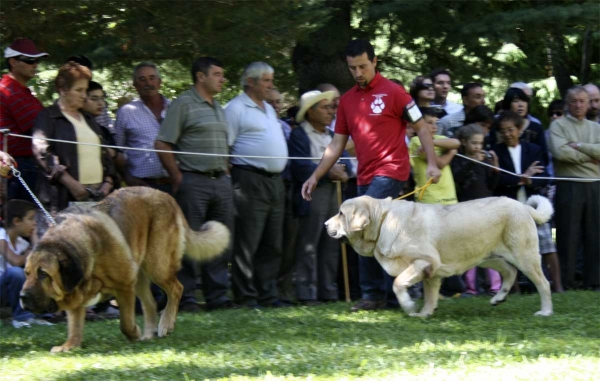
561	71
320	58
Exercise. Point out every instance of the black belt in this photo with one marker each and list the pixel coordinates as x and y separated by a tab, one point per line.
158	181
259	171
214	174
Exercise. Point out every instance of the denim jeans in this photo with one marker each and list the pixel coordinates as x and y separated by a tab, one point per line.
375	283
11	283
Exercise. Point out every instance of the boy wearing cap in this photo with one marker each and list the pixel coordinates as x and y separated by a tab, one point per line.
18	110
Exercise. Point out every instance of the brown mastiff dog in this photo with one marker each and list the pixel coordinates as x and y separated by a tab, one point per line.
133	237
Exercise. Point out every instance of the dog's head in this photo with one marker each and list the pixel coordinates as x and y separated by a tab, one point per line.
358	218
53	270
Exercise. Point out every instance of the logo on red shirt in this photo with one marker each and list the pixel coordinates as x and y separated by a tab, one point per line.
378	104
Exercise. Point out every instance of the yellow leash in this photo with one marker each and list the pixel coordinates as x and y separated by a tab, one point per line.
421	191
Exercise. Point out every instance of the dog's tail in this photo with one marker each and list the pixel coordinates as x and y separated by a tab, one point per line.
209	242
540	209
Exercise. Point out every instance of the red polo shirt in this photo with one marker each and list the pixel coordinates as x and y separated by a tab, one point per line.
18	110
373	118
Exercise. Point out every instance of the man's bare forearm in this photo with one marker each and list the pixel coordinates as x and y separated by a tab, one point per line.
167	158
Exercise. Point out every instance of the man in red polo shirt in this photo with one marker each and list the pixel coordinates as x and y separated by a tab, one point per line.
18	110
374	113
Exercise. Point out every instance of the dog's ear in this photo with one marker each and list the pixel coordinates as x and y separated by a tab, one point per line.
357	220
71	270
69	263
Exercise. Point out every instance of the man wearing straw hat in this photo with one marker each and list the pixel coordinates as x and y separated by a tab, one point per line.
317	254
18	110
374	113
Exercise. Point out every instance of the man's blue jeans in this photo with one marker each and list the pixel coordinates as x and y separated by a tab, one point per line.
11	283
375	283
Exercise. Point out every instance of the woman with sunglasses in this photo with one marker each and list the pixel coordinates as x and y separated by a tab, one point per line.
421	91
71	172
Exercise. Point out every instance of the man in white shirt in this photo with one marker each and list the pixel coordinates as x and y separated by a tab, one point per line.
259	191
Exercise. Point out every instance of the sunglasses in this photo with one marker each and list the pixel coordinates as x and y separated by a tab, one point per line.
28	60
557	113
426	86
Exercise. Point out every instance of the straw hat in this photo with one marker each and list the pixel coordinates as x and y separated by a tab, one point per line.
309	99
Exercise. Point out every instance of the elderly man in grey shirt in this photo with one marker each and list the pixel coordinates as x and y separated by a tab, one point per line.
258	189
195	122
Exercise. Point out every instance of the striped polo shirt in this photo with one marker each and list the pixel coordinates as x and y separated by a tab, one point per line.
194	125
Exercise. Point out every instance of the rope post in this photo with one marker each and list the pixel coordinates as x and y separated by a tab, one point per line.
338	185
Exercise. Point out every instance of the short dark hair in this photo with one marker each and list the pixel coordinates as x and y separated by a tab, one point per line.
429	111
93	85
292	111
17	209
82	60
512	94
467	87
439	71
203	65
557	104
509	116
480	114
358	47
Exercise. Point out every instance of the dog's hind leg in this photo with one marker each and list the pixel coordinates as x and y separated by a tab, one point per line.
431	294
142	289
533	271
508	273
413	274
126	300
173	289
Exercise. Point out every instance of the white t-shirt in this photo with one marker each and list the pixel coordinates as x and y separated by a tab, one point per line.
21	246
515	155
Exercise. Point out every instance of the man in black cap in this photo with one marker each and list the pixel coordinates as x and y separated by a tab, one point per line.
18	110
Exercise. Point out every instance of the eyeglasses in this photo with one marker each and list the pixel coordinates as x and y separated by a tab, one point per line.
97	99
557	113
28	60
506	131
426	86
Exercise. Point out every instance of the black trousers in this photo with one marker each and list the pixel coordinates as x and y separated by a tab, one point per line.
577	219
257	249
201	199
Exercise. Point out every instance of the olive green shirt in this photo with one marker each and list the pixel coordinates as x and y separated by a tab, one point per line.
571	162
194	125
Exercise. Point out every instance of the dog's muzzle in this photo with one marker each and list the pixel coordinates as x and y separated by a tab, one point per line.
40	305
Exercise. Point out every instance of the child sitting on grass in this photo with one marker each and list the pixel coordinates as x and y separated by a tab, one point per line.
14	250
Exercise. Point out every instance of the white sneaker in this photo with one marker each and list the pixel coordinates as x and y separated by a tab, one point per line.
29	322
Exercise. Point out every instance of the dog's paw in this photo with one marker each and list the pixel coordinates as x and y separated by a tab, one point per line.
420	314
63	348
543	313
148	336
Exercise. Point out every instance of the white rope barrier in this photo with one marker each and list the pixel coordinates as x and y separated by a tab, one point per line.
574	179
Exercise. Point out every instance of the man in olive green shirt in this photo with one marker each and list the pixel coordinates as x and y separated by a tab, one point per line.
575	146
195	122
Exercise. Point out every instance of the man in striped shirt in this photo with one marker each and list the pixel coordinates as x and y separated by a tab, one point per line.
18	110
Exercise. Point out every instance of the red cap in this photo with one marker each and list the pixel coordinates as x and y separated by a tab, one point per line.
23	47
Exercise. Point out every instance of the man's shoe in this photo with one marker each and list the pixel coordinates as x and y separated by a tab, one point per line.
368	305
310	303
189	307
226	305
279	304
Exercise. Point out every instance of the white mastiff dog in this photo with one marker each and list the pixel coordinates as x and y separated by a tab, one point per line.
415	242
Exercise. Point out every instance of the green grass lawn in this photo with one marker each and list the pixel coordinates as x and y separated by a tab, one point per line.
465	340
